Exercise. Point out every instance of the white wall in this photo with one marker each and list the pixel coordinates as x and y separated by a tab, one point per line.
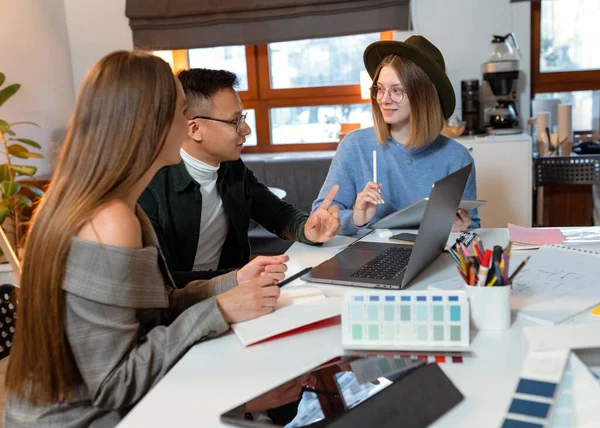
95	28
463	29
35	53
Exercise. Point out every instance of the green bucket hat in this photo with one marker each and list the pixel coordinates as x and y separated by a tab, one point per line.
423	53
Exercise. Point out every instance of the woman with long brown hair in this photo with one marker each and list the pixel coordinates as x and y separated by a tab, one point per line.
99	319
411	98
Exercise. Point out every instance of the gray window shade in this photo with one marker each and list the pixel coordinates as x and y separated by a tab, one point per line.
185	24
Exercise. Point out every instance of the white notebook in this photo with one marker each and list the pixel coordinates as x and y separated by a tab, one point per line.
297	307
557	284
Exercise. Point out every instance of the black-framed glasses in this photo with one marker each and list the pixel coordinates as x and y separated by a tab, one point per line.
396	93
237	123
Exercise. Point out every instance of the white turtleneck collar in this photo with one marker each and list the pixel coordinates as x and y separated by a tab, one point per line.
201	172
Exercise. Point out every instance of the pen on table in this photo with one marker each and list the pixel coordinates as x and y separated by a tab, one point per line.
294	276
516	272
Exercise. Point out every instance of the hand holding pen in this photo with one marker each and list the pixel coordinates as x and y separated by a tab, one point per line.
366	202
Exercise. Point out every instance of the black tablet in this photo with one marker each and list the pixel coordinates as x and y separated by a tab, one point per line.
355	391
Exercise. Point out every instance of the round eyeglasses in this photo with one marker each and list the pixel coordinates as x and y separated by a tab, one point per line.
237	123
396	94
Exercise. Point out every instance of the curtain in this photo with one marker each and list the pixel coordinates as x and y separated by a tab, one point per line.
185	24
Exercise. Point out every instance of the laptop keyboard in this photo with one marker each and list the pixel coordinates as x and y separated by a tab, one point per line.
388	265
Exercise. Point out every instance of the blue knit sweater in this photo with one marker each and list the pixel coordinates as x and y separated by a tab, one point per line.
406	175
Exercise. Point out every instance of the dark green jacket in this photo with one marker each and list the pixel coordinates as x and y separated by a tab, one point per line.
173	203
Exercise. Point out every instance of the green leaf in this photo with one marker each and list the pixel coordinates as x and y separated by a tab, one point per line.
8	92
36	191
19	170
9	188
5	128
18	151
4	173
25	123
3	214
2	79
24	200
28	142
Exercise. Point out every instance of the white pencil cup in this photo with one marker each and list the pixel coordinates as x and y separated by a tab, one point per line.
489	307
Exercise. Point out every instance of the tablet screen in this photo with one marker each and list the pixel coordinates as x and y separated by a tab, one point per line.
330	390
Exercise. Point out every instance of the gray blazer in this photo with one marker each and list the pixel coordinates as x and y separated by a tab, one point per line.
126	325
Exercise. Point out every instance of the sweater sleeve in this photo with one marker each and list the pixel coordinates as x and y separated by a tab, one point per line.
342	163
196	291
277	216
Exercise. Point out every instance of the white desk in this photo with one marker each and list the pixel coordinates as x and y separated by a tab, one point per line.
220	374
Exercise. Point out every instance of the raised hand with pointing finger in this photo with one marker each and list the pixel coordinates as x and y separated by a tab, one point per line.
324	223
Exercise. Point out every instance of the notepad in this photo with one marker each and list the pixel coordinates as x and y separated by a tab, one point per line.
410	320
296	308
557	284
534	237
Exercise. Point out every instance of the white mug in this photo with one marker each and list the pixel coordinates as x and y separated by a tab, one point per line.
489	307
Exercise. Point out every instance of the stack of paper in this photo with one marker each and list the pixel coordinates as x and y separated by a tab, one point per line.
525	238
556	285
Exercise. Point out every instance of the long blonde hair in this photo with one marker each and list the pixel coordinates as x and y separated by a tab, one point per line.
426	114
119	125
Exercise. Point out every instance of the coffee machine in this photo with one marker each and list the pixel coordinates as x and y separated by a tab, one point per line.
499	90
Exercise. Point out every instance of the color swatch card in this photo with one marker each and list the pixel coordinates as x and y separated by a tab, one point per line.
532	402
406	320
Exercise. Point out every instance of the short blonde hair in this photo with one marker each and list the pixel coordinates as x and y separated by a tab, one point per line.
426	114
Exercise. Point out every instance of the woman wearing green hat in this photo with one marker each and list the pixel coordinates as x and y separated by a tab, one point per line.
411	98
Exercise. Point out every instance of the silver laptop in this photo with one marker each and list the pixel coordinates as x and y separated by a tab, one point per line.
394	266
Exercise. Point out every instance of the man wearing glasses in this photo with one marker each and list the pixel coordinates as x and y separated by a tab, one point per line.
201	208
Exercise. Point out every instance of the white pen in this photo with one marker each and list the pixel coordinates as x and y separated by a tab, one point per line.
374	166
375	172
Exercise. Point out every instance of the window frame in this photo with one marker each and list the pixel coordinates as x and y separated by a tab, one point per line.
561	81
261	98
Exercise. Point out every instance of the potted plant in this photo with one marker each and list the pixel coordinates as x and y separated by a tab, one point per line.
17	193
